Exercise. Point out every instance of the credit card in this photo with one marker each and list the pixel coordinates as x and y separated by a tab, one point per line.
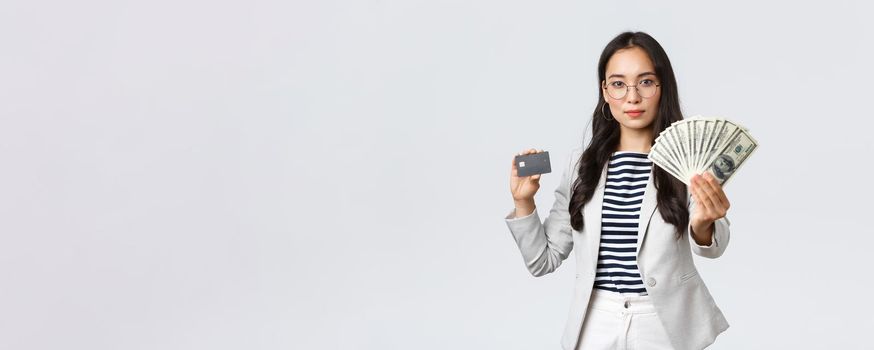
533	164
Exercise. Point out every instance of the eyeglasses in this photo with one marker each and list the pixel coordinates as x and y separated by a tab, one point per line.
618	89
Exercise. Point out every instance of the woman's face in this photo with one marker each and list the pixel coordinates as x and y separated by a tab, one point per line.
632	66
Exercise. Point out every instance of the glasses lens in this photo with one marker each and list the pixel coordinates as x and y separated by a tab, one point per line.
616	92
646	90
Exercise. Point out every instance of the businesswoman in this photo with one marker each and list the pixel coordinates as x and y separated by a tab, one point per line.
634	226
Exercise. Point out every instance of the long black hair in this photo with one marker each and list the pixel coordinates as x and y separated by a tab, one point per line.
672	201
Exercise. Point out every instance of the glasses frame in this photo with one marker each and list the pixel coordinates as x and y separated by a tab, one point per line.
627	89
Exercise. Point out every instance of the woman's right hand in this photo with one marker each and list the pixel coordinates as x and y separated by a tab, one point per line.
523	188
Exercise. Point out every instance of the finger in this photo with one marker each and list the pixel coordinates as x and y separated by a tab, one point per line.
692	179
705	196
715	191
694	190
719	196
705	187
693	187
701	204
535	177
720	193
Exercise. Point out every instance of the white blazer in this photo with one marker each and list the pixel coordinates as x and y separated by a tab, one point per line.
682	301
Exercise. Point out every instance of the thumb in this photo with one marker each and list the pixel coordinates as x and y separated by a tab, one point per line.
535	177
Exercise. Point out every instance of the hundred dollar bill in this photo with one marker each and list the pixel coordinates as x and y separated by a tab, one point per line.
665	146
709	129
726	132
730	158
659	157
678	139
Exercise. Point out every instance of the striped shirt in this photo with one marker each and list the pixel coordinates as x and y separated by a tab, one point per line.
627	176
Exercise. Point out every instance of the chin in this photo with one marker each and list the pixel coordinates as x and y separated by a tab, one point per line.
637	124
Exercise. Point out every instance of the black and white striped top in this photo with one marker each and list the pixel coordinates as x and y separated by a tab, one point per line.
627	176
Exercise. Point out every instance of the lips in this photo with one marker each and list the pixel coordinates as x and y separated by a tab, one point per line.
634	112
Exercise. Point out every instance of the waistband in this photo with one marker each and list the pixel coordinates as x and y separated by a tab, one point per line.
616	302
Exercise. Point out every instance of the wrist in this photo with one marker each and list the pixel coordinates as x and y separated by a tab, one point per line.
701	224
524	207
702	232
523	201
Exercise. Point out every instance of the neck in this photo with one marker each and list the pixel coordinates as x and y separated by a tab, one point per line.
635	140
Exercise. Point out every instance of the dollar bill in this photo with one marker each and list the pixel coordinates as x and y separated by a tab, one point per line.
732	156
701	144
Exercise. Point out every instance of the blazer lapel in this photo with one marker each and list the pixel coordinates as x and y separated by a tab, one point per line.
592	218
646	210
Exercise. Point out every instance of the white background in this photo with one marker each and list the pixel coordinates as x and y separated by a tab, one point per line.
334	174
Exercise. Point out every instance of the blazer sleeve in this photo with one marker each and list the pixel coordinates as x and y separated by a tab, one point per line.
545	245
720	237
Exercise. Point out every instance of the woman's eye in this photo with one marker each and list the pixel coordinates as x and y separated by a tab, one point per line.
647	82
617	84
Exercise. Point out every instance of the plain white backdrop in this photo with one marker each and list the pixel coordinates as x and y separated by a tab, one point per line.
334	174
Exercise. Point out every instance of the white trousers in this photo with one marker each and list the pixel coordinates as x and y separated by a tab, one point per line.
622	322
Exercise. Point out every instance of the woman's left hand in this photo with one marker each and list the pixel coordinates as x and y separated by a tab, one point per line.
711	202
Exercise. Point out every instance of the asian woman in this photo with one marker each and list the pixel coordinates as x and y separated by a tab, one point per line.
634	226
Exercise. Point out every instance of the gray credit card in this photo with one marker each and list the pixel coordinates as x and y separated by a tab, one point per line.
533	164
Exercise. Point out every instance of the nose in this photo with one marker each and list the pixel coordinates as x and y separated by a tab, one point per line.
633	96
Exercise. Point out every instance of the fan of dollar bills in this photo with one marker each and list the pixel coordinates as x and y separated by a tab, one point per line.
701	144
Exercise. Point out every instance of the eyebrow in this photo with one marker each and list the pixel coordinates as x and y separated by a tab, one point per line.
639	75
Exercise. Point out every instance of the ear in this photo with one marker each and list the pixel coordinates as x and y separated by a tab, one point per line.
604	92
